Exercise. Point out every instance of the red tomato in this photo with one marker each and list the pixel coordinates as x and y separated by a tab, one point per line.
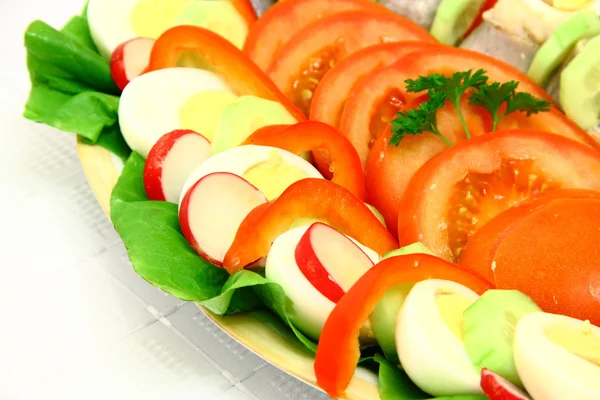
330	96
553	121
305	59
277	25
390	168
454	194
374	101
479	252
553	256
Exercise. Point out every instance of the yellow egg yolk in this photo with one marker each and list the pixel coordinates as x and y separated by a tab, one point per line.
569	5
580	341
201	112
273	176
150	18
451	307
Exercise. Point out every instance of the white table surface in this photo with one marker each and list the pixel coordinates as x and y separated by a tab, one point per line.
76	321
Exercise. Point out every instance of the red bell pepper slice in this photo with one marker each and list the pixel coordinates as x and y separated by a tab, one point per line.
479	19
307	198
244	7
338	351
316	136
240	73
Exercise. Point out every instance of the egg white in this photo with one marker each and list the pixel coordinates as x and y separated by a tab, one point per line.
110	22
309	309
150	104
239	159
432	356
549	371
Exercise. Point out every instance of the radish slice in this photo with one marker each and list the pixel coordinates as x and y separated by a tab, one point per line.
129	60
330	261
170	161
498	388
213	209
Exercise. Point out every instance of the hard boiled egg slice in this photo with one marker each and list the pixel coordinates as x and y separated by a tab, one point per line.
429	338
168	99
269	169
113	22
558	357
309	308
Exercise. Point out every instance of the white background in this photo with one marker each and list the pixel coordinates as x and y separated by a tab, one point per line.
75	320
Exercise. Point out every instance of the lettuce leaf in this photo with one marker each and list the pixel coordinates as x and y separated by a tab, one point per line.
161	255
71	85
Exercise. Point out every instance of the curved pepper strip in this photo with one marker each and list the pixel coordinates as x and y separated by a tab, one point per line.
244	7
338	351
306	136
241	74
307	198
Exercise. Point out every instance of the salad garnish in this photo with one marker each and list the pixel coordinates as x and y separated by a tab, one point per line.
491	96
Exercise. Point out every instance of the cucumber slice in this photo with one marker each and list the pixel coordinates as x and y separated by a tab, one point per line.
453	18
580	86
383	317
221	17
558	46
489	328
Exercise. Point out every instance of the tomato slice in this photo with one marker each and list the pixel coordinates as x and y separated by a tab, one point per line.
330	96
479	253
376	98
313	51
552	121
307	198
389	169
338	351
310	136
553	256
454	194
277	25
240	73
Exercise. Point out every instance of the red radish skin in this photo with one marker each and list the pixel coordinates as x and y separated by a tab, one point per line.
130	59
213	209
330	261
171	160
496	387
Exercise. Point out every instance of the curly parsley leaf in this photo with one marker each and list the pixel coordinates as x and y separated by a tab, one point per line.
494	95
420	119
454	86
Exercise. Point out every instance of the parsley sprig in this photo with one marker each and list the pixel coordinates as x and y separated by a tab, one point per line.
491	97
441	88
421	119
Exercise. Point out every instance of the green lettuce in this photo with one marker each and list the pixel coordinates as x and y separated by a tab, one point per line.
71	85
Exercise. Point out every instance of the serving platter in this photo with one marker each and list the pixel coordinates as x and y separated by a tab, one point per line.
260	332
